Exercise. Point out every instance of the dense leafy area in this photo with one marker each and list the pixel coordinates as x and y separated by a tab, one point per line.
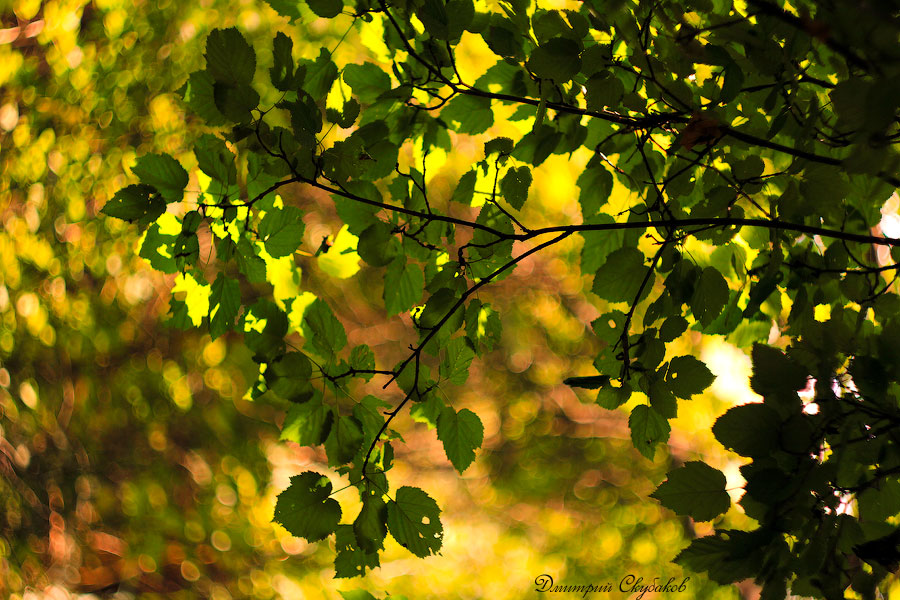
739	160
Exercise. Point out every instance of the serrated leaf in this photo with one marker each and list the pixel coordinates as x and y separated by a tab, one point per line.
462	433
326	8
370	526
457	358
305	508
282	71
672	328
307	423
557	59
281	230
135	203
214	159
351	560
695	490
648	428
224	303
377	244
774	372
414	521
428	411
728	556
610	397
164	173
596	184
514	186
465	189
749	429
501	145
620	277
322	329
688	376
710	296
468	114
229	58
356	595
367	81
344	440
286	8
403	285
369	413
603	90
289	377
199	95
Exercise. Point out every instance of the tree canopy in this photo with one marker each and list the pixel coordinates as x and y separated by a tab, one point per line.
737	162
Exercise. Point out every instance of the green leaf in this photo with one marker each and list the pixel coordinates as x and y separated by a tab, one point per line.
620	277
351	560
596	184
468	114
344	440
427	411
465	189
326	8
500	145
320	75
356	595
688	376
289	377
164	173
774	372
367	81
307	423
322	329
229	58
611	398
557	59
282	231
235	101
457	358
282	72
514	186
603	90
403	285
749	429
369	413
377	244
370	527
414	521
214	159
199	95
286	8
224	303
305	508
695	490
672	328
362	358
728	556
135	203
710	296
483	325
264	327
433	14
462	433
648	428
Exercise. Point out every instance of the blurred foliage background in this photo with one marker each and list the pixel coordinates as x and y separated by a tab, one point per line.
132	466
